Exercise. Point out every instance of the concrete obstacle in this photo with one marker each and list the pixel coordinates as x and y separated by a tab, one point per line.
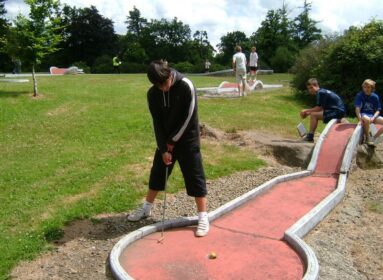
65	71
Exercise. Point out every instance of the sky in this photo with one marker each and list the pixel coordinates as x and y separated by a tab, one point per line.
218	17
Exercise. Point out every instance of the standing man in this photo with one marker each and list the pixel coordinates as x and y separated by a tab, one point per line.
328	106
239	67
173	105
253	64
116	64
207	66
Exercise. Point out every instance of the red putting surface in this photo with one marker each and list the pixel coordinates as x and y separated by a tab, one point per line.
248	240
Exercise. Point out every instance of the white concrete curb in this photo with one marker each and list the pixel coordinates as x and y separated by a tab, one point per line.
314	158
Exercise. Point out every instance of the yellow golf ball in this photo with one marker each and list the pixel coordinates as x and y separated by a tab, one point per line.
212	255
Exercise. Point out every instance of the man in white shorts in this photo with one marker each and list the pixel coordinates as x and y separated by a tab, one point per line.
239	67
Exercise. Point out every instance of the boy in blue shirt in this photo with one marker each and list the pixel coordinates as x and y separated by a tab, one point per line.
367	109
328	106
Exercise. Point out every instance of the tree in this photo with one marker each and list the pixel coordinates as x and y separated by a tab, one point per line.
166	39
3	23
344	62
35	37
130	44
4	28
201	41
135	23
305	30
275	31
228	44
87	35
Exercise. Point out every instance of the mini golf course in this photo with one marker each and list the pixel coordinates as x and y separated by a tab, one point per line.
255	236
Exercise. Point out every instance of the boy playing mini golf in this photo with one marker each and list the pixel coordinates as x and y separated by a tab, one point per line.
328	106
173	105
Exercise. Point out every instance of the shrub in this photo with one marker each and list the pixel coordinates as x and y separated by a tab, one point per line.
343	63
82	65
102	64
132	67
282	60
183	67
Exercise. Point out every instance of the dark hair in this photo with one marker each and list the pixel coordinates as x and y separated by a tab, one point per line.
158	72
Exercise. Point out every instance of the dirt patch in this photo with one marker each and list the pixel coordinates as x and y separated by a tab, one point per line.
348	243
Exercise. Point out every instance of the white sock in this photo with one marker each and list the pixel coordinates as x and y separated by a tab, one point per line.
147	205
202	215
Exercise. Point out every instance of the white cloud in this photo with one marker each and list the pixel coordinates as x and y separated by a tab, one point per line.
218	17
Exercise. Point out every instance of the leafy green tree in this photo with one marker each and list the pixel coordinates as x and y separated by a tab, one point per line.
201	42
130	44
4	25
275	31
344	62
4	28
228	44
87	35
135	23
282	60
305	30
34	37
166	39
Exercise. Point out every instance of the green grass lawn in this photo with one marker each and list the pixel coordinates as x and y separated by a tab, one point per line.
85	147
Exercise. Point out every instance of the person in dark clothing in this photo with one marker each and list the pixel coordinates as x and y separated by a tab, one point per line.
172	103
328	106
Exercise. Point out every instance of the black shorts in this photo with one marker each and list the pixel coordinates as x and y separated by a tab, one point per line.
190	161
328	115
253	68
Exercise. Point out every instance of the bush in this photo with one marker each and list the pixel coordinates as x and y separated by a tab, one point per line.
183	67
82	65
343	63
102	64
282	60
131	67
307	62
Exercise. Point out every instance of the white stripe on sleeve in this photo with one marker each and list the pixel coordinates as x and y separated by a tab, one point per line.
190	113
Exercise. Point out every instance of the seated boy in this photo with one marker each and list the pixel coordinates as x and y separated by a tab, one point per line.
367	109
328	106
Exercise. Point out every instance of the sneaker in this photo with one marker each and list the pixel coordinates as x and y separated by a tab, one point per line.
309	137
139	214
370	140
203	227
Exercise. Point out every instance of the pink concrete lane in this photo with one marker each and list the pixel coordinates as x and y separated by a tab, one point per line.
248	240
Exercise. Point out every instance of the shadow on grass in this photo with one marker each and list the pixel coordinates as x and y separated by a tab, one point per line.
304	101
12	94
100	228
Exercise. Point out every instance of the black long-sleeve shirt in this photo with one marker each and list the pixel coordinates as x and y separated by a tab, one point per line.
174	113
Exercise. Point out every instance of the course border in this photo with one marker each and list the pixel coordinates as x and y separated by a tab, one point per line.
293	235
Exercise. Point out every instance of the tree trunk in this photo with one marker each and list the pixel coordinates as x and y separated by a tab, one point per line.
34	81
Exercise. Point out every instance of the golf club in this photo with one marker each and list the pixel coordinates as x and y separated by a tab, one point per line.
164	207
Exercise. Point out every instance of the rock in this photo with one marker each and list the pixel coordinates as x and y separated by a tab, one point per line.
369	157
293	154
